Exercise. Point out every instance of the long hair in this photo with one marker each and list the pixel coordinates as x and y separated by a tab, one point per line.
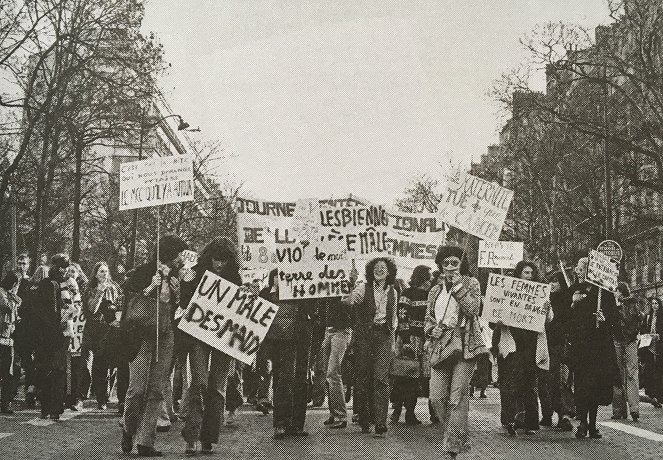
221	248
391	270
520	266
94	282
40	274
420	275
660	304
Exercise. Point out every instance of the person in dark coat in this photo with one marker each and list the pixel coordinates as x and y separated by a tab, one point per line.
288	343
53	308
592	349
652	356
555	389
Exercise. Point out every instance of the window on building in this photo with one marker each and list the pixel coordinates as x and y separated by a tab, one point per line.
652	259
639	265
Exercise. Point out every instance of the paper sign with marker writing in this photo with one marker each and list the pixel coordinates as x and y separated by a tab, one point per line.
156	181
602	271
516	302
500	254
228	318
475	205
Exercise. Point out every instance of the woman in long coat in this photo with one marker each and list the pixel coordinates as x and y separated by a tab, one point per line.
592	350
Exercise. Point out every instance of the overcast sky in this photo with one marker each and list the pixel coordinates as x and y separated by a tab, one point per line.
316	98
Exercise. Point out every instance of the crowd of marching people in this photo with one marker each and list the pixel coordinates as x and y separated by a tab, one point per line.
386	343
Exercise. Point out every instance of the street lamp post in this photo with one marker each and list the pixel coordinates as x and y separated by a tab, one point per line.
182	126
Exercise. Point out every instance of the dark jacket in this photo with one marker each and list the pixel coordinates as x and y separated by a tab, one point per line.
628	321
557	331
140	278
292	320
336	314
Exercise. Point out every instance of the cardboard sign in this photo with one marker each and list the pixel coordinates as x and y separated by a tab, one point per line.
611	249
602	271
228	318
156	181
190	258
500	254
76	341
475	205
645	340
516	302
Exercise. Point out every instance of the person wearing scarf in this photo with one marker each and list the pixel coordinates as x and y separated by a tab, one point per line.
148	373
454	303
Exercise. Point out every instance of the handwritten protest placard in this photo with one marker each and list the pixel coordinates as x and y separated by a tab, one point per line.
76	341
475	205
189	258
156	181
602	271
516	302
500	254
228	318
291	236
324	271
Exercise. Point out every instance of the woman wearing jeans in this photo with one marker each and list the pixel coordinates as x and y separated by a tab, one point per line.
453	302
206	397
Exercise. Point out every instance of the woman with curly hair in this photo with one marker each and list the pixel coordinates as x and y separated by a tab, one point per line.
454	304
375	305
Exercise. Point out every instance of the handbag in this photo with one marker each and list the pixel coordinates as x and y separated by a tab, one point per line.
142	312
120	345
405	364
405	367
448	348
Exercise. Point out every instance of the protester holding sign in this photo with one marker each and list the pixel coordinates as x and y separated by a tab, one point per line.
103	301
453	306
592	352
652	355
289	345
9	304
625	337
375	303
206	397
521	353
148	372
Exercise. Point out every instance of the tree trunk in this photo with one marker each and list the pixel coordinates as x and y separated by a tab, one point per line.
78	179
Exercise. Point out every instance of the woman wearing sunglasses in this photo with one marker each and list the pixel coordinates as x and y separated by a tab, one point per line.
453	303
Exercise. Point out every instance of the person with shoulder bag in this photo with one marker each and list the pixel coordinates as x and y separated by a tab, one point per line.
455	343
148	371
